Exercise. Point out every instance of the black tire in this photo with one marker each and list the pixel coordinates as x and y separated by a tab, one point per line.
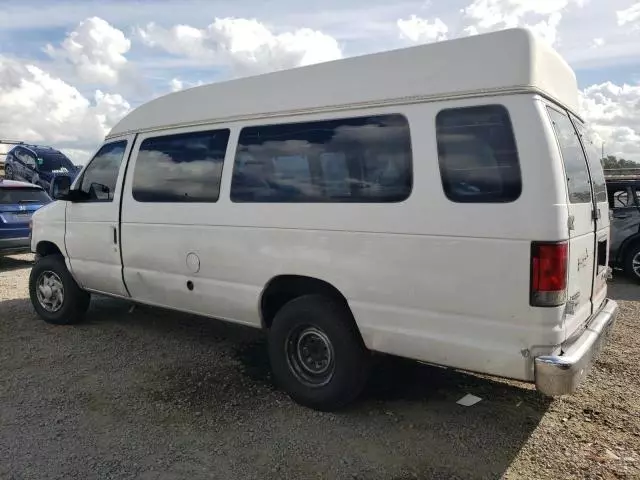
318	319
75	301
632	253
8	172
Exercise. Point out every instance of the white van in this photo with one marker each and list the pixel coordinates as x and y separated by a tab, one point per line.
440	203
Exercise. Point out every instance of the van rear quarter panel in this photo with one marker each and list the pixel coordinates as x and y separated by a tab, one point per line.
426	278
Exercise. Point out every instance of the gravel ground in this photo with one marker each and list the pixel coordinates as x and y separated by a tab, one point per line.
156	395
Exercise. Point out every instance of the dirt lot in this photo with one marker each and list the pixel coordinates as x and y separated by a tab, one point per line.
155	395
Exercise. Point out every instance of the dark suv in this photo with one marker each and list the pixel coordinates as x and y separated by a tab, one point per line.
624	204
38	165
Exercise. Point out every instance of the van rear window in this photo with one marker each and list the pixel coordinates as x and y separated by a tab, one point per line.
575	164
12	196
477	155
360	159
595	167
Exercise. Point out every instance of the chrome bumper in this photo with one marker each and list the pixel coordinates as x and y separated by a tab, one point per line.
561	374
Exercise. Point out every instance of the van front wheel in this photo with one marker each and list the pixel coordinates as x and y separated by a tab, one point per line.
316	353
54	293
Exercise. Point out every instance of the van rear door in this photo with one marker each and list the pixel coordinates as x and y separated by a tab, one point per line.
602	220
581	267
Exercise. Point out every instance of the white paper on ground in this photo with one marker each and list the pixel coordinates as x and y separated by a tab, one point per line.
468	400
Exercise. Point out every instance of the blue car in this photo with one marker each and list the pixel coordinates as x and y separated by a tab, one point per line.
38	165
18	201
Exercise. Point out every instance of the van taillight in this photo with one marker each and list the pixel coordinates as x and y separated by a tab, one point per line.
549	273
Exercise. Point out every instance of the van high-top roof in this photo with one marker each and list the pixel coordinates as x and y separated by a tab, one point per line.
509	61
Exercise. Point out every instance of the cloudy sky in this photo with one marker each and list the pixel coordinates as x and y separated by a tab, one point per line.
70	69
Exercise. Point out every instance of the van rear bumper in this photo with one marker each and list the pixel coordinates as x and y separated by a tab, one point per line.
561	374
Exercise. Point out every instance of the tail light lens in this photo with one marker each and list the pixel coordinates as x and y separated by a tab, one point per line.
549	273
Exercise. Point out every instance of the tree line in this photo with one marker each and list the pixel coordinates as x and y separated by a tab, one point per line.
611	162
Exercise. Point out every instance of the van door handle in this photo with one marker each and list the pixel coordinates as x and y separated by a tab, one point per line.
115	235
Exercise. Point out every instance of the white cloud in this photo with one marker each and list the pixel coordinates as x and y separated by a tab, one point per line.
77	155
54	102
40	108
470	30
108	108
96	50
491	13
488	15
612	111
245	45
547	30
629	15
176	84
421	30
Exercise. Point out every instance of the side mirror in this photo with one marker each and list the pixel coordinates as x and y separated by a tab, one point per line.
60	187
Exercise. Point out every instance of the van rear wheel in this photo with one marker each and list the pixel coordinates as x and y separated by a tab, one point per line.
316	353
632	262
55	295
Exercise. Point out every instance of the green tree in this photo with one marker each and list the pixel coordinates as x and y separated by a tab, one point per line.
611	162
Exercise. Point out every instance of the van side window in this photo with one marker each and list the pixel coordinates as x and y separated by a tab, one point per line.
362	159
575	163
185	167
477	155
101	175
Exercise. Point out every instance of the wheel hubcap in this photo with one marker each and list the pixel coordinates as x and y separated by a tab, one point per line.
635	264
310	356
50	291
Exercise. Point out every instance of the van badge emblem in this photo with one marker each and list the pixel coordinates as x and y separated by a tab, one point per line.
582	261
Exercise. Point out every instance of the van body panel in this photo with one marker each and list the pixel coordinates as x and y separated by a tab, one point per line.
445	304
92	237
601	213
458	68
589	220
410	270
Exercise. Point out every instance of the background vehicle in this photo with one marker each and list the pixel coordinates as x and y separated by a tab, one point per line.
18	201
38	165
624	203
5	147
